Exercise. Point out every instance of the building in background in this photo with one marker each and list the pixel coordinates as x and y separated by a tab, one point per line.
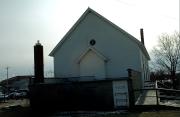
17	83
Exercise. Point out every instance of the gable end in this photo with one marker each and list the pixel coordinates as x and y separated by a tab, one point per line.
89	10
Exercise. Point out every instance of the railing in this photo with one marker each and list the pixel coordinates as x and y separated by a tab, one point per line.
158	96
148	96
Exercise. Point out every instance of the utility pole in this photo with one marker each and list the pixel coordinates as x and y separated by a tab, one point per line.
7	68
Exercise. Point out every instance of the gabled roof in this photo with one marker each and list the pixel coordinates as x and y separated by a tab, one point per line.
89	10
95	51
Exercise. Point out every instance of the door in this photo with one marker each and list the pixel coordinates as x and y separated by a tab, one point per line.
92	66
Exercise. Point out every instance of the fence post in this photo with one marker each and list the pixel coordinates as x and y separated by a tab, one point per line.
130	89
156	88
157	100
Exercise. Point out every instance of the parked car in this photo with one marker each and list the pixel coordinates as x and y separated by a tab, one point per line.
17	94
23	94
3	96
13	95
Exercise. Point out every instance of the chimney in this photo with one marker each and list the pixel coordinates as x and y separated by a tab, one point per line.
142	36
38	63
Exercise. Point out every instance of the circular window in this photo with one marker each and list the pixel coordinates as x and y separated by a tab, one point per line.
92	42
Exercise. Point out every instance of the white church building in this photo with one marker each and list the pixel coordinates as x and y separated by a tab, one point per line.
96	49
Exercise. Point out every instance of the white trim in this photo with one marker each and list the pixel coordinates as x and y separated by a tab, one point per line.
95	51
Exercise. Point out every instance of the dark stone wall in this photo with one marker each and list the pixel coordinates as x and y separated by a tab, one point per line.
96	95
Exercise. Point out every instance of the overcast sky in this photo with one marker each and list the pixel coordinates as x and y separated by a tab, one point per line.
23	22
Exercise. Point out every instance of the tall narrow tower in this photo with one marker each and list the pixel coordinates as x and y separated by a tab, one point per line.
38	63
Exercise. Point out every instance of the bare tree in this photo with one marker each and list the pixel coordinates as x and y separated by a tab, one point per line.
167	54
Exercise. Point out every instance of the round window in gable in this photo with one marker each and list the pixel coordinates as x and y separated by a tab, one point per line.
92	42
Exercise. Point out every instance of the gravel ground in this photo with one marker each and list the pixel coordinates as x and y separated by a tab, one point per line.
10	103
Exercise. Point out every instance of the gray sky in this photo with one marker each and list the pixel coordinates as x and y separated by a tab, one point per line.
23	22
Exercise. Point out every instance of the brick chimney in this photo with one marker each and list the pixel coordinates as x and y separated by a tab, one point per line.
142	35
38	63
